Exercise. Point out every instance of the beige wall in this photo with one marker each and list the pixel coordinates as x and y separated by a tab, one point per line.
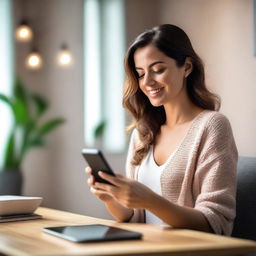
57	171
221	32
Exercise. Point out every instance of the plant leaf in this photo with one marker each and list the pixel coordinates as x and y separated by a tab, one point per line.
49	126
20	111
9	154
19	91
25	131
20	103
7	100
36	142
40	103
100	128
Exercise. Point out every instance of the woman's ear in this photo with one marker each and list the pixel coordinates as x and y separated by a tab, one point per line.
188	66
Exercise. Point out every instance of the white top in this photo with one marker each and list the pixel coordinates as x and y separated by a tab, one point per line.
149	174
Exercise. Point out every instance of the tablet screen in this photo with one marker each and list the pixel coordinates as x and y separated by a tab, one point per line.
92	233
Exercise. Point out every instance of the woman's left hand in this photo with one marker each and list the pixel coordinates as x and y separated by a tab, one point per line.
128	192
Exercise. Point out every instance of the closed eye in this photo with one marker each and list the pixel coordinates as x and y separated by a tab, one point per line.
140	75
159	71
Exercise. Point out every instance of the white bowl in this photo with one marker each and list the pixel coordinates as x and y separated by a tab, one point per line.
10	205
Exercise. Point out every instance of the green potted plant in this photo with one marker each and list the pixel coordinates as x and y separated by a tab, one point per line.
27	131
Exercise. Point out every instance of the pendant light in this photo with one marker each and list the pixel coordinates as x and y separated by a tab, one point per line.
64	57
24	33
34	60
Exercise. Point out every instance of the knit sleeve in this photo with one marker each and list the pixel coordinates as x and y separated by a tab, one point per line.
215	176
138	214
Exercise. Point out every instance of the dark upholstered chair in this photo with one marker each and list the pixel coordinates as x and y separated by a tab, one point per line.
245	222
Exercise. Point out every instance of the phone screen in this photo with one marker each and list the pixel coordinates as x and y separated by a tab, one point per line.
92	233
97	162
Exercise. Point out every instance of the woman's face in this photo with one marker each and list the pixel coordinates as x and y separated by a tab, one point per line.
160	79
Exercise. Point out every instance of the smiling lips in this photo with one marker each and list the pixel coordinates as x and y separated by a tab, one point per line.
154	92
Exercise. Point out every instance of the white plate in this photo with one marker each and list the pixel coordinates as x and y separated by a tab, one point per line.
10	205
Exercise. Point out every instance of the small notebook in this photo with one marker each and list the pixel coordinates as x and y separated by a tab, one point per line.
19	217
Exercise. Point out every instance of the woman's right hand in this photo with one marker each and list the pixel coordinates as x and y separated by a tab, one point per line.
97	192
119	212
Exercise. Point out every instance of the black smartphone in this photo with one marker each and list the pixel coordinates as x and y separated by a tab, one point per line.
97	162
92	233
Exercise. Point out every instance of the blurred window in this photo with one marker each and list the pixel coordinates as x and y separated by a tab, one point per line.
104	39
6	70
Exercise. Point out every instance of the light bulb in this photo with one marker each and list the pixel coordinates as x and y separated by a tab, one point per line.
24	33
34	60
64	57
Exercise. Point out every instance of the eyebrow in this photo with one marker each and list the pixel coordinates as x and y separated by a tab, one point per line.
152	64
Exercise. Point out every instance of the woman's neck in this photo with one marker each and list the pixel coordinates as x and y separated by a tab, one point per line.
181	111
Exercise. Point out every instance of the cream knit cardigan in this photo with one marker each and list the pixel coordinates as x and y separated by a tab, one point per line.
202	173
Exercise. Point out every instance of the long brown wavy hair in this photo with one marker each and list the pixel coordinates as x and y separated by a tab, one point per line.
147	119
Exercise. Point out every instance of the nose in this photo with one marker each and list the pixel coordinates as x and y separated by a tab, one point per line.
147	80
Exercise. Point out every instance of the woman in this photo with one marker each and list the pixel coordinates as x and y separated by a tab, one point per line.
181	164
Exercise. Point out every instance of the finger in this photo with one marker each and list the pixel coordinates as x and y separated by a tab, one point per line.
103	186
112	179
90	181
93	190
88	170
120	176
99	193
